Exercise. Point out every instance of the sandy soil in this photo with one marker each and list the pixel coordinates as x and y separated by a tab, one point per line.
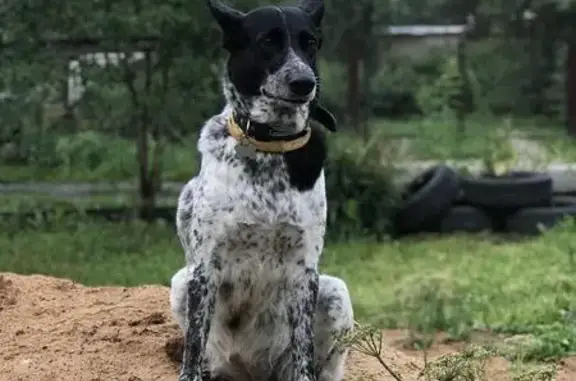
56	330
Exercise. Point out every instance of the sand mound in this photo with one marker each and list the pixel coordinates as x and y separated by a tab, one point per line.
56	330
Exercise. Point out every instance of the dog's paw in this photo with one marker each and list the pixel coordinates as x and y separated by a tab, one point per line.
305	378
189	377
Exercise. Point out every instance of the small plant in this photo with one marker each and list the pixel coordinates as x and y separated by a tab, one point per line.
467	365
546	373
500	156
445	94
360	190
368	340
433	305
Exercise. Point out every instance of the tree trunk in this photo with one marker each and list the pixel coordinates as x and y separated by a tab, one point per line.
571	88
369	67
353	83
147	178
464	86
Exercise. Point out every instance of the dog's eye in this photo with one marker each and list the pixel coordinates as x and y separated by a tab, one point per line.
310	44
267	42
271	41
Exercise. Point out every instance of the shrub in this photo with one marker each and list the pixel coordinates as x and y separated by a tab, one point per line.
395	86
360	192
333	88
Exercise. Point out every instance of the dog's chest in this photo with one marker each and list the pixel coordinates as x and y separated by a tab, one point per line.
231	190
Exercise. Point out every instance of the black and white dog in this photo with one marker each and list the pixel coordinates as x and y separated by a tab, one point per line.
251	301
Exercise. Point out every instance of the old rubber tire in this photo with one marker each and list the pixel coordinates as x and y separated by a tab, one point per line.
465	218
426	197
514	190
531	221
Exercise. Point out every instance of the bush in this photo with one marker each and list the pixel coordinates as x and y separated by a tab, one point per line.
84	156
395	86
333	88
360	192
447	91
500	75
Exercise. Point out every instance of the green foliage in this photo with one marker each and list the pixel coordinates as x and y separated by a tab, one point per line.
543	342
395	85
500	73
447	92
91	156
360	192
333	90
437	304
468	365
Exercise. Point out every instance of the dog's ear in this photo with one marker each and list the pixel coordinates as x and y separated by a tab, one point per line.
227	17
320	114
315	8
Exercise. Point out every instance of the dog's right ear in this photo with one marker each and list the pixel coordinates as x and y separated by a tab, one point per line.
227	17
315	8
321	114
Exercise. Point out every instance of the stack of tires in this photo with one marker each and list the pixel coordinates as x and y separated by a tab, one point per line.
439	200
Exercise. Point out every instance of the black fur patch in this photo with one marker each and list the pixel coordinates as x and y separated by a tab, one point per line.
305	164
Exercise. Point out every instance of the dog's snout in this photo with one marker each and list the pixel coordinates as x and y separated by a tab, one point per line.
302	86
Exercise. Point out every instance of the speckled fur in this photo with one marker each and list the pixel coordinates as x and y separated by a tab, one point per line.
251	301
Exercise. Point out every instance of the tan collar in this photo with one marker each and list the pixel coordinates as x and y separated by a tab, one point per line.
275	146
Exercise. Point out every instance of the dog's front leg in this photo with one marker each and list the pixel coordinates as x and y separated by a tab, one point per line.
200	307
301	311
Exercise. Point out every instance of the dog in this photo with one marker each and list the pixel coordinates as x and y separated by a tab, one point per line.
251	301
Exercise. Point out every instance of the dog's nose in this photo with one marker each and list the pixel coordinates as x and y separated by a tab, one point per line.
302	86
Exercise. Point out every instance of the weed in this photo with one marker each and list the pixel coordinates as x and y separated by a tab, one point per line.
466	365
542	373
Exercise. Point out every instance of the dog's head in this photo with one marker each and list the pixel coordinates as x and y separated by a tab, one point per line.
271	68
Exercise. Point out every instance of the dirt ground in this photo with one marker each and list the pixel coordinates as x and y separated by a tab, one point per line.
54	329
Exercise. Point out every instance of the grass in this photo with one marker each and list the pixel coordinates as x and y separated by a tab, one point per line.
440	138
91	157
460	284
18	202
455	284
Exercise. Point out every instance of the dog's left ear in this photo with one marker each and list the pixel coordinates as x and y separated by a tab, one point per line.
315	8
227	17
320	114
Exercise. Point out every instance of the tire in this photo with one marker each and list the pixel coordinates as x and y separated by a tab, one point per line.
426	197
531	221
465	218
511	191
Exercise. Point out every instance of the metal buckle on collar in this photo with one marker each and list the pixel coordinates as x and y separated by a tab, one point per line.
244	148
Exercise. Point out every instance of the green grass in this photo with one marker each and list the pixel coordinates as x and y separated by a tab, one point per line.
440	139
455	284
92	157
17	202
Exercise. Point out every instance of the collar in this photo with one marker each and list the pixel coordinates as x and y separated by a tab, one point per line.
259	137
